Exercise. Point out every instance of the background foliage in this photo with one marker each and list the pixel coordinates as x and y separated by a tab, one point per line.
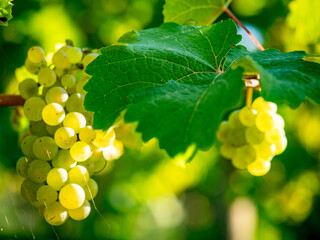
145	194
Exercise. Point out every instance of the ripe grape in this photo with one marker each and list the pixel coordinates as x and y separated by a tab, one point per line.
64	160
29	190
247	116
27	146
45	148
75	103
68	81
81	212
74	120
72	196
87	134
259	168
33	108
74	54
113	151
89	58
55	214
104	138
265	121
65	137
46	195
57	95
38	128
57	178
244	156
35	54
79	175
223	131
91	189
262	105
47	77
60	59
28	88
38	170
80	151
22	166
53	114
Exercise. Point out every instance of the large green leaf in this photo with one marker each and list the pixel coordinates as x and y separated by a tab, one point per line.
285	77
186	54
201	12
5	12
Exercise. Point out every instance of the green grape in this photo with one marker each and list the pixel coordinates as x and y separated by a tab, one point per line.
65	48
80	84
35	54
55	214
266	121
259	168
68	81
261	105
53	114
46	195
99	165
87	134
60	72
113	151
34	68
253	135
281	145
52	129
45	148
57	95
72	196
227	151
38	170
28	88
96	154
74	120
57	178
33	108
89	58
247	116
79	175
104	139
65	137
236	137
27	146
22	166
279	121
80	213
244	156
89	117
75	103
234	120
80	151
74	54
29	190
91	189
275	135
60	60
223	131
64	160
38	128
47	77
265	150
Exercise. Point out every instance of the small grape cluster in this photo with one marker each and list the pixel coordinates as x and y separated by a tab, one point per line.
62	150
252	136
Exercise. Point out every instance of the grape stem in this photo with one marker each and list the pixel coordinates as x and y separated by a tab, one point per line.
11	100
254	40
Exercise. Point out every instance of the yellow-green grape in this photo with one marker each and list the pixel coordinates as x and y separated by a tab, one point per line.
266	121
99	165
38	170
64	160
35	54
80	151
89	117
52	129
74	120
91	189
57	178
79	175
38	128
236	137
74	54
60	60
28	88
265	150
27	146
275	135
65	48
55	214
247	116
57	95
279	121
72	196
46	195
244	156
53	114
45	148
75	103
80	213
80	84
234	120
259	168
87	134
65	137
22	166
47	77
113	151
60	72
104	139
254	135
29	190
89	58
261	105
227	151
33	108
96	154
34	68
281	145
223	131
68	81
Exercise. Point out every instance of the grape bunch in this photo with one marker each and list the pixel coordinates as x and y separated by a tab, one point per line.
62	150
252	136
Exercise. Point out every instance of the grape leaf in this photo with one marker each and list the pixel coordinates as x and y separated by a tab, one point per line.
5	12
284	77
186	54
202	12
180	115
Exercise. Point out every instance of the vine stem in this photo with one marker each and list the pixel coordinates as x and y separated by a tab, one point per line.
11	100
255	41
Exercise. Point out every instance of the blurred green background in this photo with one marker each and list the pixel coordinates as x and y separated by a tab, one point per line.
145	194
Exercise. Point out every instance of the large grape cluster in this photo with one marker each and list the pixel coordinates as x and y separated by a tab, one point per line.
62	150
252	136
